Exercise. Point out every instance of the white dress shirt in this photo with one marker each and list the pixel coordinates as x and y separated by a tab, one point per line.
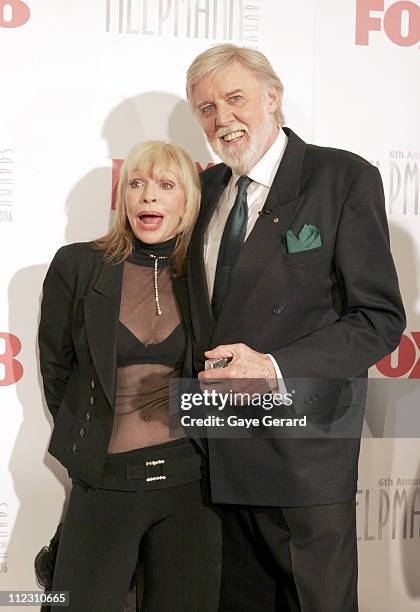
262	175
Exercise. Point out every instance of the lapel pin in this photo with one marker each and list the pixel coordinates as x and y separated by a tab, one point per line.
276	220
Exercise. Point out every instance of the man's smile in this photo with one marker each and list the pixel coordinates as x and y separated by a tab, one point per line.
233	136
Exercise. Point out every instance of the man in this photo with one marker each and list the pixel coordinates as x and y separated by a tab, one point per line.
291	276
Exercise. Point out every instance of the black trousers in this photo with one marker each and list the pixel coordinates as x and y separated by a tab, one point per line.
172	529
289	559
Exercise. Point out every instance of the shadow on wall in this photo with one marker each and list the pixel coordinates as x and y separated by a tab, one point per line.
34	487
154	115
151	116
410	546
392	412
403	245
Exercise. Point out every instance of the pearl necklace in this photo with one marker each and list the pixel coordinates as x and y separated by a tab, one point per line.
155	281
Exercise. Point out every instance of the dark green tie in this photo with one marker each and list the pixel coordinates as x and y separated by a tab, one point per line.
231	243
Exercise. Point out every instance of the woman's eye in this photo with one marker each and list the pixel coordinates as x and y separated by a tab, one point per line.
167	185
135	183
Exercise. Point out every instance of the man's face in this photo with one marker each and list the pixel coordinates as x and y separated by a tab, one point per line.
237	114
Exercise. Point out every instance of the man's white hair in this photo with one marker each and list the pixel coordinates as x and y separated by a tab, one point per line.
221	56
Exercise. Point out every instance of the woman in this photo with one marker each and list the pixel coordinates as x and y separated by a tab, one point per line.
113	332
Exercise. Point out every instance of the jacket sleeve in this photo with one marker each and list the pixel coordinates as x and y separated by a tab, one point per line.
54	337
372	316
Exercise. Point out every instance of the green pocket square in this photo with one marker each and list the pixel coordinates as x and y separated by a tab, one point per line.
309	238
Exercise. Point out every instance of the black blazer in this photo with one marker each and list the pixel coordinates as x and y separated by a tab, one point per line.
326	313
78	354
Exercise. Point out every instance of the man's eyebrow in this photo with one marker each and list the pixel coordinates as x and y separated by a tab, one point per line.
228	94
203	103
232	93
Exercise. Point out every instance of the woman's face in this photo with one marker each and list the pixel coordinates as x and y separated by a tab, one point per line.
155	203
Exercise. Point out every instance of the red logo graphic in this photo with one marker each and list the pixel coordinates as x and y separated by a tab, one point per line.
401	21
13	13
116	167
408	359
11	370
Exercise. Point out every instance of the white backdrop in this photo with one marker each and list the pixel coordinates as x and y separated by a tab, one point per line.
81	83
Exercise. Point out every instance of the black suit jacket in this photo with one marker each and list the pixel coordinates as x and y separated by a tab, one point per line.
326	314
78	354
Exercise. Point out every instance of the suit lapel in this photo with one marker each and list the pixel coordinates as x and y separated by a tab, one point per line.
101	311
283	202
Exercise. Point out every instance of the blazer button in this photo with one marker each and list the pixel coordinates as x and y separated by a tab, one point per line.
82	432
92	400
75	449
88	416
92	383
278	309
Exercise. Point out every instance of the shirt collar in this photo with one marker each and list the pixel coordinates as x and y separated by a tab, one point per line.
265	170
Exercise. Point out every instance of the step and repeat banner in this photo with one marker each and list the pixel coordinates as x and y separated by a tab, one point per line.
81	83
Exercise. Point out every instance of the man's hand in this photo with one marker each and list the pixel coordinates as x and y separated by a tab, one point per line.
246	363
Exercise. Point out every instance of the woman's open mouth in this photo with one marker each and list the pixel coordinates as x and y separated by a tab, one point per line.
149	220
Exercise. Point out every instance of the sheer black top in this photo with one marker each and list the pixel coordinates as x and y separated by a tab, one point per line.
150	350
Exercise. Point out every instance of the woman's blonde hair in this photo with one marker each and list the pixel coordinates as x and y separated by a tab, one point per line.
118	243
222	56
